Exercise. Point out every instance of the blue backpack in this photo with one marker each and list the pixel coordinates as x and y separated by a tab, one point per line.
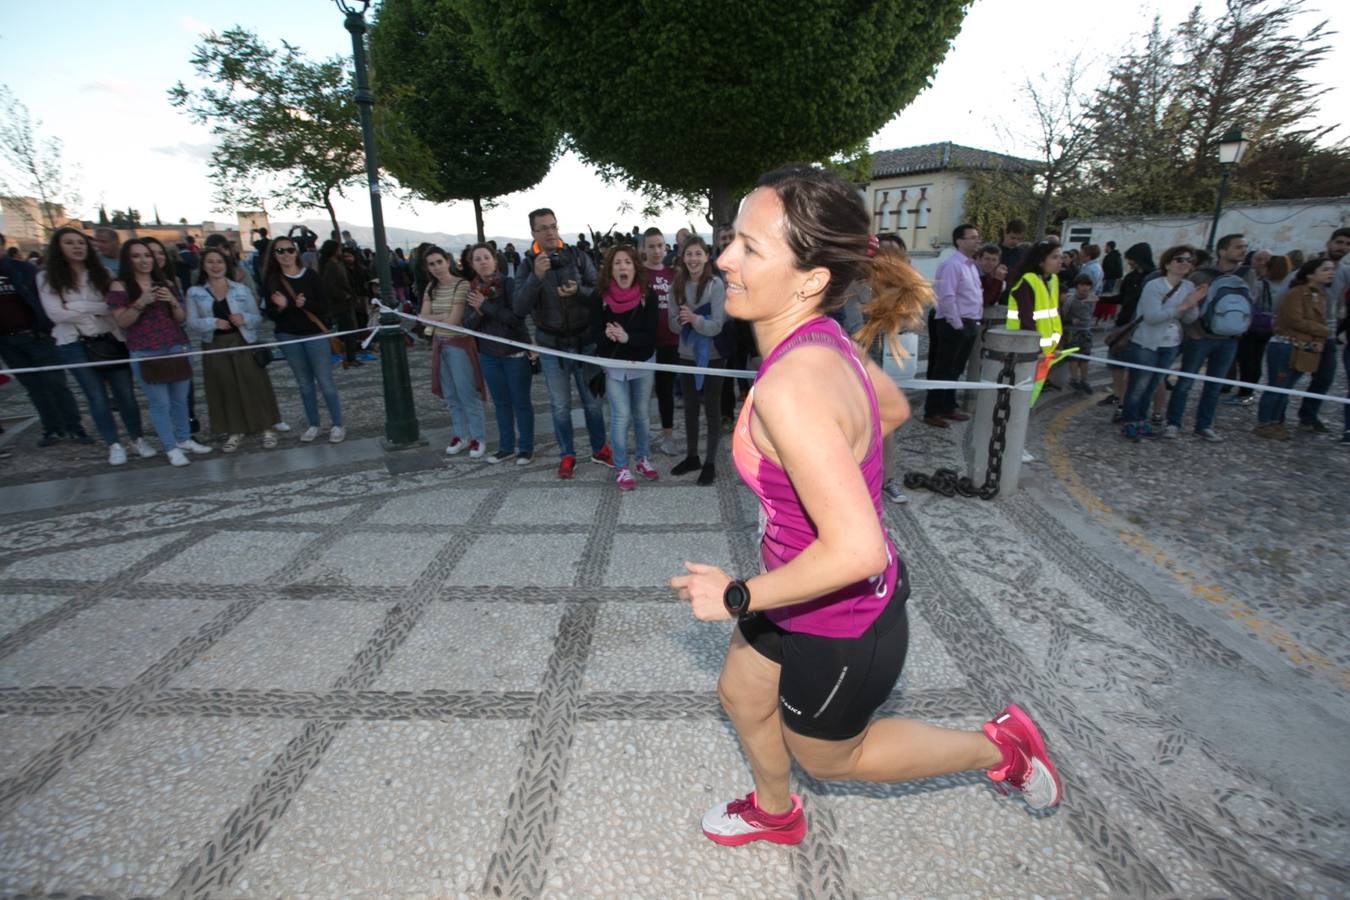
1226	310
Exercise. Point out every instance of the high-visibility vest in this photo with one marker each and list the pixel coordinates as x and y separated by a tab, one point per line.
1046	311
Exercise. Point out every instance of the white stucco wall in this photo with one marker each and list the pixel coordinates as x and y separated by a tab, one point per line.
1279	226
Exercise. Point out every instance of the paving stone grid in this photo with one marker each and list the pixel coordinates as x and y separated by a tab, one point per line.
357	685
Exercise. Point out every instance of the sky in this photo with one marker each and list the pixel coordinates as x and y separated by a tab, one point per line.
97	77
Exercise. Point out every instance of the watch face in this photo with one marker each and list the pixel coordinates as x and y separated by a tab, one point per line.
736	597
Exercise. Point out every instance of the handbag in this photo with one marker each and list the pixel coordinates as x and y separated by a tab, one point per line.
335	345
597	384
1306	357
164	369
105	347
262	356
1121	335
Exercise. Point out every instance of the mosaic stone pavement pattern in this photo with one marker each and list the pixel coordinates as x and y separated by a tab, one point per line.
471	681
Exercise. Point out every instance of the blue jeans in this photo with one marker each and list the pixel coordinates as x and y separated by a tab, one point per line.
311	362
168	402
96	383
508	381
1345	408
48	392
461	394
1278	374
559	374
630	402
1140	385
1216	355
1321	383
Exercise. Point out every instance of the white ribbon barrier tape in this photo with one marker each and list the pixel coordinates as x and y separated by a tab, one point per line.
605	363
1264	388
203	352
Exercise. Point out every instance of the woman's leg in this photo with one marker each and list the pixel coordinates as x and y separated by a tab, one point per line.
1273	403
894	750
178	409
712	405
298	360
124	398
95	391
665	390
640	396
157	398
620	412
321	363
466	387
748	690
459	425
494	375
520	377
691	410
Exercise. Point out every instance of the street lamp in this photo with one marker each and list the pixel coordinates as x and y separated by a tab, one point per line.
400	415
1231	148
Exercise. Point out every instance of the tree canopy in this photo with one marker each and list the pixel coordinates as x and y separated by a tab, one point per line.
701	98
456	141
286	127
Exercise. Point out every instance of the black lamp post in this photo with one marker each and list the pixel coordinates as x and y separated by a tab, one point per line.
400	415
1231	148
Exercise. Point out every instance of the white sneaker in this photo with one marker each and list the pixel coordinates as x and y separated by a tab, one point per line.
1171	431
1027	457
282	427
740	822
476	449
116	455
309	434
178	458
1209	434
455	447
337	434
143	448
524	459
193	447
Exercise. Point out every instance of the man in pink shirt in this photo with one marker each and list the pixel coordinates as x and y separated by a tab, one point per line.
953	324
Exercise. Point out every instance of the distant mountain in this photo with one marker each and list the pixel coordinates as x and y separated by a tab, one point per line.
399	237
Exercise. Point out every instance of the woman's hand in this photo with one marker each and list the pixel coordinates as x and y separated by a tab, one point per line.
278	299
1194	297
476	300
237	320
222	324
686	315
615	332
300	301
703	588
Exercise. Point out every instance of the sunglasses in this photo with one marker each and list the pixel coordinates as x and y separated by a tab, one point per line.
281	250
1183	259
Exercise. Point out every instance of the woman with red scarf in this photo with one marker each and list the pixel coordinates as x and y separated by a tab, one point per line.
625	329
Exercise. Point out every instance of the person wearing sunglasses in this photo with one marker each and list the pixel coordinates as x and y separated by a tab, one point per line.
1157	338
295	302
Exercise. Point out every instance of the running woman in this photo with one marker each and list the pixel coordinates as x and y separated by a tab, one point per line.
821	632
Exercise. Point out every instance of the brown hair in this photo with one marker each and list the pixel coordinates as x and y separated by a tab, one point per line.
60	274
606	275
826	225
1172	253
1278	268
682	272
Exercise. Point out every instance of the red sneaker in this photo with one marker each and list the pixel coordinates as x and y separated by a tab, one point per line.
567	467
644	468
741	821
603	457
1026	767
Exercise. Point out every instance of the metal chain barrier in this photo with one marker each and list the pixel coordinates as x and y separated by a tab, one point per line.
948	482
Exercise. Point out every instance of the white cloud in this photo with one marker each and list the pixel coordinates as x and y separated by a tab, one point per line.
115	86
194	26
186	150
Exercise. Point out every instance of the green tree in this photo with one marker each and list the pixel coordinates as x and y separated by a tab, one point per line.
286	127
456	142
701	98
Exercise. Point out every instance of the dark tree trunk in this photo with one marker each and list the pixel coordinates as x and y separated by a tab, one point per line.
721	205
332	214
478	219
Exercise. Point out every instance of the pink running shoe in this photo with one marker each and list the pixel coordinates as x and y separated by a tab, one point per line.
741	821
1026	766
625	480
645	469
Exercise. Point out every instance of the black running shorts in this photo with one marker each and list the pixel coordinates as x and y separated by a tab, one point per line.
830	687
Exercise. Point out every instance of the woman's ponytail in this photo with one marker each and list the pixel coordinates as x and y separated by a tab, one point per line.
900	295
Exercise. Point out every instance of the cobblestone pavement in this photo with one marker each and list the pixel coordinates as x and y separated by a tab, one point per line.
470	681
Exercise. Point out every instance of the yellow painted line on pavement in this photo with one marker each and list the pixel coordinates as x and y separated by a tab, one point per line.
1214	594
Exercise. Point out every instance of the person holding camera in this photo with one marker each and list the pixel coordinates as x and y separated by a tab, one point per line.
151	313
558	291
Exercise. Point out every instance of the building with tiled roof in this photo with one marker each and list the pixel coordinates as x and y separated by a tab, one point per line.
919	192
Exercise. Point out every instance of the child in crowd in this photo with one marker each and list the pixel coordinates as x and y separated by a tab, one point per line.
1078	314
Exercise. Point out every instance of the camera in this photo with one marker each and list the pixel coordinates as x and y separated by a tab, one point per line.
561	259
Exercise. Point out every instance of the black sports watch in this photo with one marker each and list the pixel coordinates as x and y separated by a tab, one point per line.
736	598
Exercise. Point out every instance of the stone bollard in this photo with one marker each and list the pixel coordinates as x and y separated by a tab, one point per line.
998	342
995	316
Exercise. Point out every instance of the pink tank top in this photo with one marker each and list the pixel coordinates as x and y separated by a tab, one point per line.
788	529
